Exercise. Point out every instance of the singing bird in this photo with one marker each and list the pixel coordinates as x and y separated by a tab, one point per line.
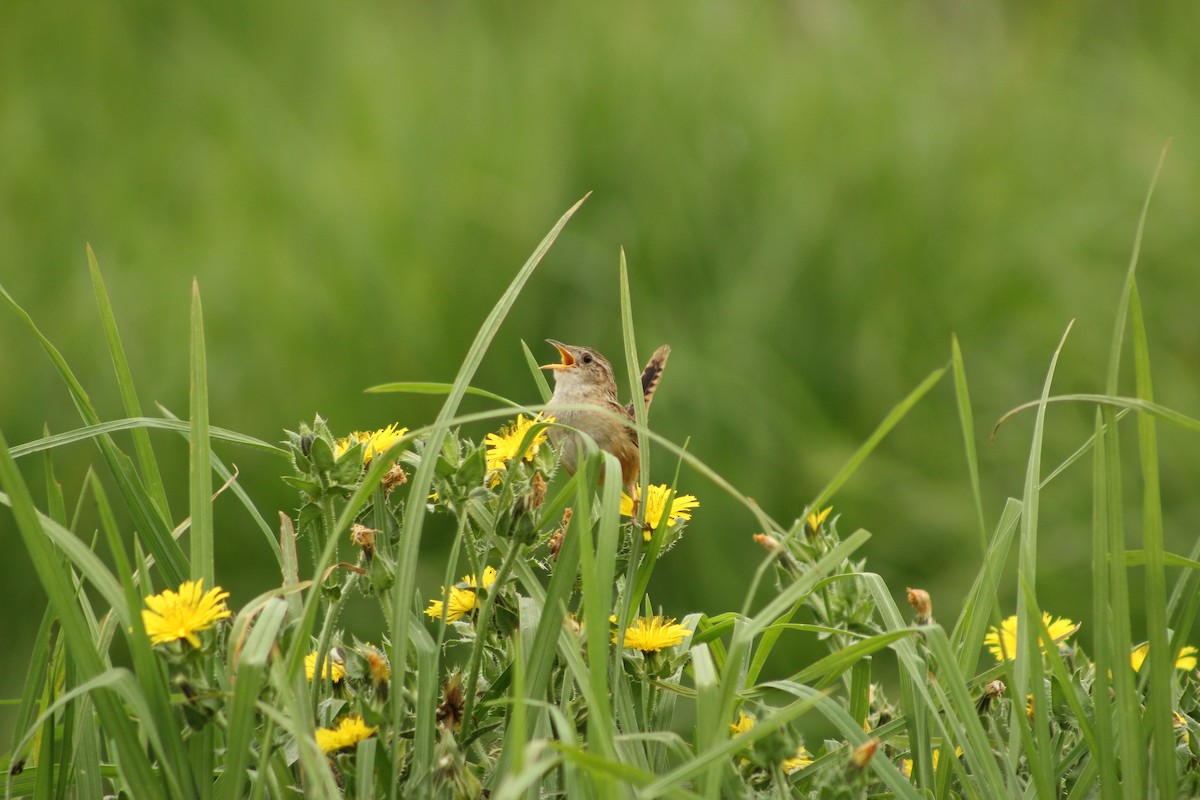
585	378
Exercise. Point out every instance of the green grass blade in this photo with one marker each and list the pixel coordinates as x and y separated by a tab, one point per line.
1161	658
235	486
146	515
148	668
405	583
1137	558
251	671
966	418
293	716
825	671
711	721
56	504
135	767
954	714
133	408
890	421
35	682
1114	353
633	373
1127	403
413	387
539	376
1113	653
425	711
364	769
134	423
980	605
200	461
1028	668
597	572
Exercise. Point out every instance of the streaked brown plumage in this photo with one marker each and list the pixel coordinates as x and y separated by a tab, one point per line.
584	377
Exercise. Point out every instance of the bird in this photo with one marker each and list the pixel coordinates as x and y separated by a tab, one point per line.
583	377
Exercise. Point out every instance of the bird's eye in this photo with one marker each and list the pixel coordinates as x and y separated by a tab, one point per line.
587	358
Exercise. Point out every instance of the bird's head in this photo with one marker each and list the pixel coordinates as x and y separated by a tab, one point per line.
581	368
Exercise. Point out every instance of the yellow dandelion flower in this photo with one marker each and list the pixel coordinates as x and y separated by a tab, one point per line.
802	759
462	601
817	518
373	442
170	616
744	723
334	670
1002	642
1185	659
652	634
656	501
502	447
349	732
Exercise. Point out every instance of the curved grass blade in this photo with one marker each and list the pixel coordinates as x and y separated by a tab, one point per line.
135	423
405	583
147	516
1127	403
60	591
890	421
415	387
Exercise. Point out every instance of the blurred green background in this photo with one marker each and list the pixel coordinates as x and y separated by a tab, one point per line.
812	197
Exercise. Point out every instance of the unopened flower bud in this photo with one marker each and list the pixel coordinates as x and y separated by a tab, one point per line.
863	754
922	604
767	542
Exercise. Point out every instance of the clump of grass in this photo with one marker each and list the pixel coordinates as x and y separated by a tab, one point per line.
542	666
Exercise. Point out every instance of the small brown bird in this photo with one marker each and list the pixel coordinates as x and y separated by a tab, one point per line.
584	377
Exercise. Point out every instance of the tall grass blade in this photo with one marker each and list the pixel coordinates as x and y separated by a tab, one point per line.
146	515
890	421
1028	667
133	408
405	582
148	668
134	423
980	604
200	461
251	672
966	417
1160	657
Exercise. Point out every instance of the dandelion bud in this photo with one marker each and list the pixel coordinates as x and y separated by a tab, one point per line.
922	604
556	538
814	521
537	491
450	710
863	754
992	691
767	542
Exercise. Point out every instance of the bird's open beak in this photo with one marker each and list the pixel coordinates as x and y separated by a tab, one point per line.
568	360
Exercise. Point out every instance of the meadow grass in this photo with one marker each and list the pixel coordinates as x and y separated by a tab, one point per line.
510	680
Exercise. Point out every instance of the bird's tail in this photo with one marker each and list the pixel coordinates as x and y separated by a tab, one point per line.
651	375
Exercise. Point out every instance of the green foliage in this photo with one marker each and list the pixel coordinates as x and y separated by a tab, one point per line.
511	681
